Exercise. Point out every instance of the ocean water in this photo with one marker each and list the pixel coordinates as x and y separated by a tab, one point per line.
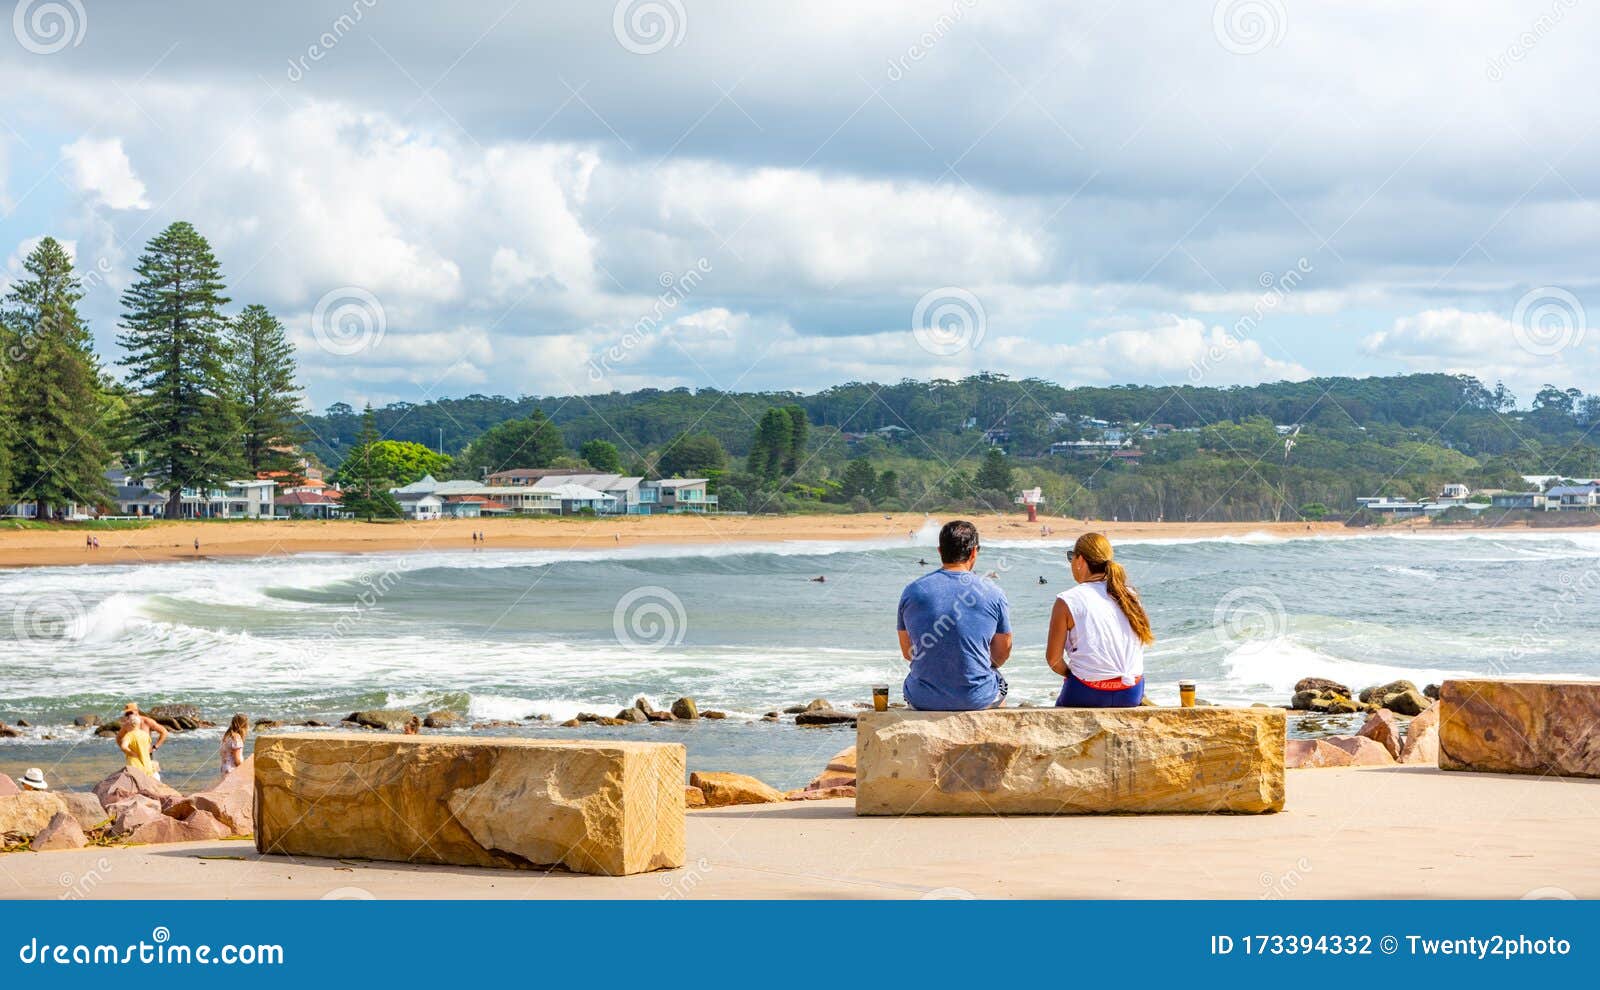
742	628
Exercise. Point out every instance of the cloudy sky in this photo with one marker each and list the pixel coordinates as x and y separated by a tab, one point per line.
539	197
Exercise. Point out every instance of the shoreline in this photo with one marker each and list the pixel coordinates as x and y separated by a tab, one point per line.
173	542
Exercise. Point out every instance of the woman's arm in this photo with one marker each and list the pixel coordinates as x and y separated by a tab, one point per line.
1055	647
158	730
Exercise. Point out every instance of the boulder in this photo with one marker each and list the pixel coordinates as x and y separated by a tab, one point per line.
660	716
591	806
312	723
1422	739
198	827
643	704
840	771
7	732
1310	754
588	717
8	786
1325	703
685	708
694	797
1322	685
127	816
1383	728
178	718
724	789
633	714
1070	761
714	715
1363	752
268	723
131	782
85	720
442	719
389	719
230	800
62	832
1431	691
820	794
571	723
1411	702
814	705
1375	695
105	731
28	812
825	717
1534	727
84	807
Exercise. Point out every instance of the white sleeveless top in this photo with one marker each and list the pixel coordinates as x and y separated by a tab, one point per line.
1101	645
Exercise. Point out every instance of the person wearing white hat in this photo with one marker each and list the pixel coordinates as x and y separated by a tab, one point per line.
33	780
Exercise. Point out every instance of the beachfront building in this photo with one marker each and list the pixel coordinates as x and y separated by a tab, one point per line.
546	491
246	499
1526	501
420	505
307	505
683	495
1571	498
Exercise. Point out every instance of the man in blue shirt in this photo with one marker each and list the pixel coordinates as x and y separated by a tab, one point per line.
955	630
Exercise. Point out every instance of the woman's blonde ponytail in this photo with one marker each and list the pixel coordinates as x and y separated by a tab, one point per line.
1095	550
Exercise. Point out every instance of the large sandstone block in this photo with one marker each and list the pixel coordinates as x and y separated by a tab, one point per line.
28	812
1070	761
1537	727
612	808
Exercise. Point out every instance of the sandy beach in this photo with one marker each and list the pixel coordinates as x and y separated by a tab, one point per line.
164	542
1346	833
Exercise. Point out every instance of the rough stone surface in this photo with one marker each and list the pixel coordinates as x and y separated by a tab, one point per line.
1312	754
178	718
825	717
685	708
1070	761
1322	685
1375	695
840	771
127	816
8	786
820	794
28	812
694	797
1407	702
1422	739
723	789
1384	729
129	782
591	806
633	713
1538	727
84	807
1364	752
198	827
62	832
230	801
390	719
442	719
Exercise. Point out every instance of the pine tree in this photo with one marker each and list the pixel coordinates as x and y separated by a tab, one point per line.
602	455
363	493
994	474
772	441
261	372
54	406
182	417
794	456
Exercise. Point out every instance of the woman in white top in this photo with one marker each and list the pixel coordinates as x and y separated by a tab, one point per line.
232	749
1098	632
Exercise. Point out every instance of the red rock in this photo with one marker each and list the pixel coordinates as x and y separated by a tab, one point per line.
1306	754
1534	727
1422	739
1364	752
198	827
128	816
85	807
840	771
63	832
1384	728
694	797
129	782
8	786
231	800
821	793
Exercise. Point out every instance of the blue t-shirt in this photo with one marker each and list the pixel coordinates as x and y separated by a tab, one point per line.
952	616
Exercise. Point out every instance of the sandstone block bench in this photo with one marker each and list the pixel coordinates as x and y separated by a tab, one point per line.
1046	761
1536	727
610	808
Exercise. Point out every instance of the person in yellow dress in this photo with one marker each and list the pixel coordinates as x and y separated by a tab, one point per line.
139	736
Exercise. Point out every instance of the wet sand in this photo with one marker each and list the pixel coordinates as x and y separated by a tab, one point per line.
1385	832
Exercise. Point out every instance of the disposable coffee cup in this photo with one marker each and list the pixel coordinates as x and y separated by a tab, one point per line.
880	698
1186	693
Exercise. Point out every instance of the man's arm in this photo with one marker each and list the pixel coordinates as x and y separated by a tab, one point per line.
159	730
905	645
999	650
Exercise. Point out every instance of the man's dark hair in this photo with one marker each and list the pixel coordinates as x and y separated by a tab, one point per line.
957	540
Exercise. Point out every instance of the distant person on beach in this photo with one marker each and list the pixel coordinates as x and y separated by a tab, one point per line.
1098	632
139	736
955	630
231	751
413	726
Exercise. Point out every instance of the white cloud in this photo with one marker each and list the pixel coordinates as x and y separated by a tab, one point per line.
100	168
1490	347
